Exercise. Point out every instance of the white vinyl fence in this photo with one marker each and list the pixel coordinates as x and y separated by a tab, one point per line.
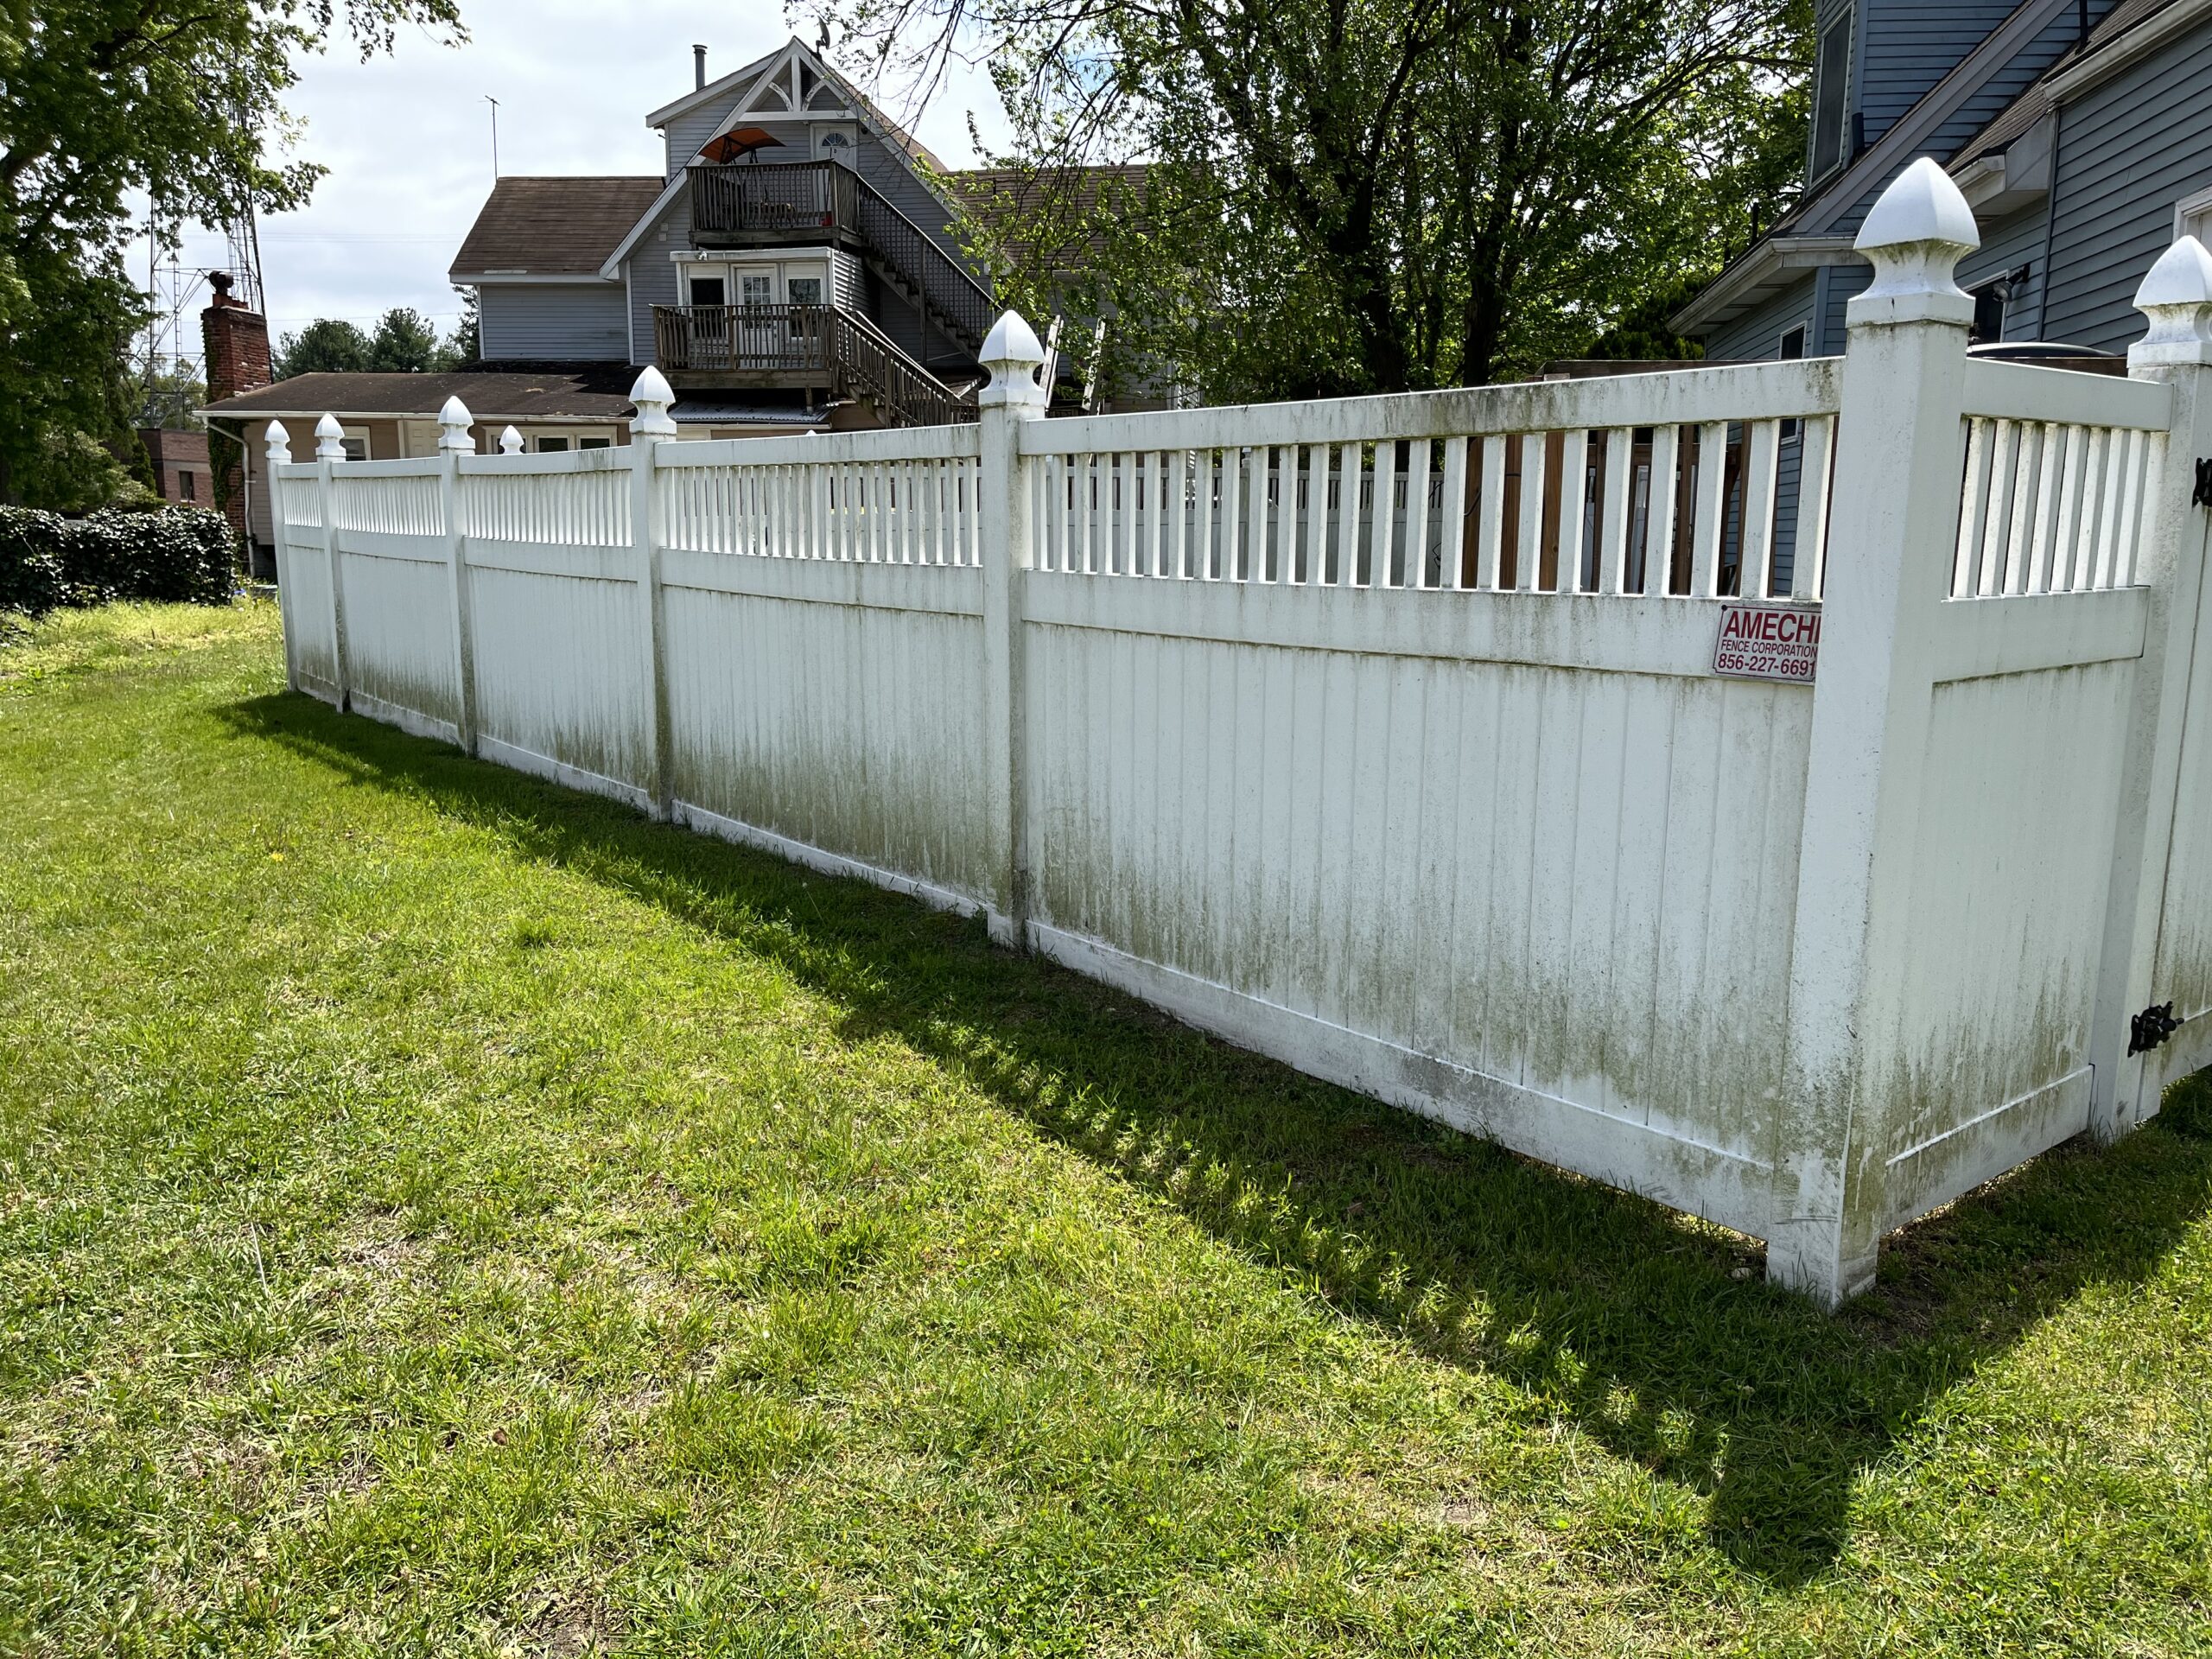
1384	736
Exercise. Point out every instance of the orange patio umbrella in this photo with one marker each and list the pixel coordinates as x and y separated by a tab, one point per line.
741	141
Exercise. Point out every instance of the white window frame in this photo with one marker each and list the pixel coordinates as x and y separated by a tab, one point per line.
572	438
2196	207
350	436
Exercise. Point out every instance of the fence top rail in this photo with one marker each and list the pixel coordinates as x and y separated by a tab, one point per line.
2022	391
962	442
615	459
1750	391
413	467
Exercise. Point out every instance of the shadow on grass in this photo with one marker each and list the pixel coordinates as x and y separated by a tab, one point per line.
1652	1332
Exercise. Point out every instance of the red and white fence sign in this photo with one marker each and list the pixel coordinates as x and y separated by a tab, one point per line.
1768	642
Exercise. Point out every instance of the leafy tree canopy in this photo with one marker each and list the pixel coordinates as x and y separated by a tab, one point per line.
104	104
326	345
404	343
1345	195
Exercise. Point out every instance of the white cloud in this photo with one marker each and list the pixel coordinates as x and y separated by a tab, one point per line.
407	140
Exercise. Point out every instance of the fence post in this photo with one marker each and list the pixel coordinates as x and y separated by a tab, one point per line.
1013	355
329	451
280	454
649	427
454	442
2176	296
1892	538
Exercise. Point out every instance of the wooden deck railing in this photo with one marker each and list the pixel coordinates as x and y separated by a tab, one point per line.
819	346
745	200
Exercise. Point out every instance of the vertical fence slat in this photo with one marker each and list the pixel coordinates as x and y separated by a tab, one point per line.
1711	505
1659	510
1754	537
1815	458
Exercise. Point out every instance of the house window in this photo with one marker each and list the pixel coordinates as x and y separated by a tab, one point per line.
708	290
594	443
2193	217
805	290
759	288
355	440
1989	302
552	446
1831	73
186	491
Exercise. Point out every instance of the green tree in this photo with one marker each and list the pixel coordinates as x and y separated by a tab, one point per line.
326	345
1345	195
178	101
466	344
404	343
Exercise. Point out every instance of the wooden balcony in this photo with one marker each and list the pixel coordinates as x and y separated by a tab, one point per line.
748	205
803	347
744	205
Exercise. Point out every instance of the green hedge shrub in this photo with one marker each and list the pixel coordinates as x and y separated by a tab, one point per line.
175	556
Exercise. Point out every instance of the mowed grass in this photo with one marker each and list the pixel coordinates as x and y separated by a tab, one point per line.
443	1214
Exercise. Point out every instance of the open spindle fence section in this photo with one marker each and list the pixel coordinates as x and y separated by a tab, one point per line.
1508	489
389	498
2059	505
577	500
895	498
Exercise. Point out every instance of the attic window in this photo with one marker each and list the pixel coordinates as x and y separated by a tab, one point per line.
1831	73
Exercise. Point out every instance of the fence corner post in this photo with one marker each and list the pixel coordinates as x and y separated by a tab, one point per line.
2176	295
280	454
1013	355
329	451
649	428
1892	538
454	442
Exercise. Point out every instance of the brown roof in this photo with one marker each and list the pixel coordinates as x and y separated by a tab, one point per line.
574	392
553	227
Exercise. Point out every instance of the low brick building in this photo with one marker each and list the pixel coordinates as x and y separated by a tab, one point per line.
180	463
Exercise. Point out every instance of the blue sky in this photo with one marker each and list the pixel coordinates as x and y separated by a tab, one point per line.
408	139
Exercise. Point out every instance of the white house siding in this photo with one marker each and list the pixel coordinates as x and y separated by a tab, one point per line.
2127	150
553	320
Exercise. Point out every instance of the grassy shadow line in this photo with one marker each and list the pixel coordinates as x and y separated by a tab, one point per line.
1653	1333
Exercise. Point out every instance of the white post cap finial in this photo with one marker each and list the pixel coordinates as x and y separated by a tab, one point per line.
279	441
453	421
2176	296
330	439
1915	235
1013	354
652	397
510	442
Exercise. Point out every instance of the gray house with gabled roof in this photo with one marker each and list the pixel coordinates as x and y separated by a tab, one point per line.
2081	132
793	264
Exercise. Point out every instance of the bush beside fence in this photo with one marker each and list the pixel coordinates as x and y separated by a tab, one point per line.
180	556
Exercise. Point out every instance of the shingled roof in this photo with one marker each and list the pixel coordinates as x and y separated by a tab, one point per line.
570	392
552	228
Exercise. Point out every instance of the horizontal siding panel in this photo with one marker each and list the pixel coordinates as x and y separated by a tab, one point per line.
2127	151
545	319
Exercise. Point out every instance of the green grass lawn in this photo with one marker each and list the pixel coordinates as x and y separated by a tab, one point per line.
440	1213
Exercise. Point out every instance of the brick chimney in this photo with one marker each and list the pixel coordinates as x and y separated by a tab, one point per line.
236	339
236	342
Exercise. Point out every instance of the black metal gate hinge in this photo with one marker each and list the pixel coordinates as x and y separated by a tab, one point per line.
2202	495
2155	1024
